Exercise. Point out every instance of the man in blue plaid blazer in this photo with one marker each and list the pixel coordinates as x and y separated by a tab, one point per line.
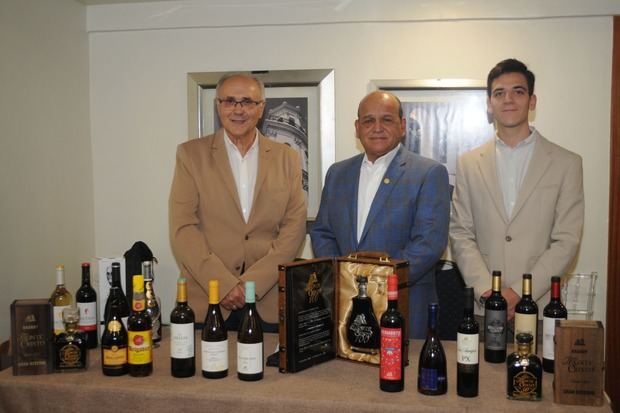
387	199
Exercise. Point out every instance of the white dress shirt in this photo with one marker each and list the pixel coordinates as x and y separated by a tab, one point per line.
244	169
371	174
512	164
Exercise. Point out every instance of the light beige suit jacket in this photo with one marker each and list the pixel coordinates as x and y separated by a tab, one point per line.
543	234
209	236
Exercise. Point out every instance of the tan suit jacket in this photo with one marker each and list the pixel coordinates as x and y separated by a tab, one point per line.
209	236
542	235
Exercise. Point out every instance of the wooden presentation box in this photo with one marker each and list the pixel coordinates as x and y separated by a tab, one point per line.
32	336
579	362
315	303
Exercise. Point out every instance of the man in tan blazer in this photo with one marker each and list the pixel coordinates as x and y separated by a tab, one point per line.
237	208
518	202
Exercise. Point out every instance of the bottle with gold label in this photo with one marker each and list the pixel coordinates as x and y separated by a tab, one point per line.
61	299
114	342
524	369
140	342
71	346
153	307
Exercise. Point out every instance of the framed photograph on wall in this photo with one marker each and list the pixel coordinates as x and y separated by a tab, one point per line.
445	117
299	112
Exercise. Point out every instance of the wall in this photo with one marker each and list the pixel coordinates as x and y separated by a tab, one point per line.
138	95
46	212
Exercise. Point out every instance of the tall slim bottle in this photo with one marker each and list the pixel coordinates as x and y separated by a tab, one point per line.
250	346
526	314
555	310
214	341
495	322
61	299
392	363
432	376
153	308
182	352
467	346
140	353
116	296
114	342
86	299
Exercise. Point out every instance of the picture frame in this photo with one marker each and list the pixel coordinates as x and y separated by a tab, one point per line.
299	112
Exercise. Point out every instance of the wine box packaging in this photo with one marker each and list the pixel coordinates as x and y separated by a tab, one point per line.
315	307
579	362
32	336
103	279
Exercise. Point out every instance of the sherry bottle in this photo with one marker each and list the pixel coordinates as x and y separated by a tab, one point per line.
495	321
61	299
363	331
214	338
526	313
153	308
392	364
70	345
116	297
250	346
182	353
140	349
432	377
114	342
524	381
555	310
467	346
86	299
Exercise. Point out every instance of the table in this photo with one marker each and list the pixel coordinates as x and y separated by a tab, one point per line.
335	386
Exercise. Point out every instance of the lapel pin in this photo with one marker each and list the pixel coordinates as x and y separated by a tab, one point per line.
386	180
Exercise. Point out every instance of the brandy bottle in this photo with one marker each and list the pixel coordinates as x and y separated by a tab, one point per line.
524	380
153	308
363	330
70	346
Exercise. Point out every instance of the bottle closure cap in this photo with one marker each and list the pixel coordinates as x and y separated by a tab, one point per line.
250	292
214	292
392	282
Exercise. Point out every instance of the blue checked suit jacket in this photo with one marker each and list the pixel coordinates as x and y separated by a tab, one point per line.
408	219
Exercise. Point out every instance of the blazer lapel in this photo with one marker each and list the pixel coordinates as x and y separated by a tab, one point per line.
488	170
220	158
264	157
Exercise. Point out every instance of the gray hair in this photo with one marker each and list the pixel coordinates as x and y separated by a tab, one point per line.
259	83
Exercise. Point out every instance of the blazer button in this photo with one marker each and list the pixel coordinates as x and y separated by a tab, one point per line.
508	238
247	237
238	267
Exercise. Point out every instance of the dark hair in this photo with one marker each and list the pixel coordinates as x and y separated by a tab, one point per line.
511	66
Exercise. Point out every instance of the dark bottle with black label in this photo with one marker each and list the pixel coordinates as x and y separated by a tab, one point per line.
116	296
524	371
555	310
71	345
526	313
86	299
432	376
392	363
495	321
363	331
467	345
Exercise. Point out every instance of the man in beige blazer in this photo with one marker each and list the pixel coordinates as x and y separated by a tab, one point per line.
237	208
518	202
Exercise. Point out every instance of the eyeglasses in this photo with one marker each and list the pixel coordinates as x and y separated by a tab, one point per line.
245	103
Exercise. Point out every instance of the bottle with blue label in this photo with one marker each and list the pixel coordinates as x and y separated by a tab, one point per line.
432	376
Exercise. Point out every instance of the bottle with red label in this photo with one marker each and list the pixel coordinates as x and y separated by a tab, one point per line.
392	367
86	299
139	325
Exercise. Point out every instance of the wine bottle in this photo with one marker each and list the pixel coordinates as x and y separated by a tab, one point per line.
555	310
61	299
114	342
153	308
432	377
116	297
86	299
214	341
467	346
526	313
363	332
250	346
524	371
495	322
392	363
140	348
182	353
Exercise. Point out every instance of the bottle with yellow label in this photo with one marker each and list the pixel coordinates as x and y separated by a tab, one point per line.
114	342
139	325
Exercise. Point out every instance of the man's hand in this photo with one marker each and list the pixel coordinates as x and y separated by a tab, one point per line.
512	299
235	299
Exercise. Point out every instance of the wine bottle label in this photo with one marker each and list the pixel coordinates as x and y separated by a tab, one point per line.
524	384
115	356
391	353
59	325
526	323
548	333
181	340
430	379
140	347
88	316
70	355
249	358
495	329
467	348
215	355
